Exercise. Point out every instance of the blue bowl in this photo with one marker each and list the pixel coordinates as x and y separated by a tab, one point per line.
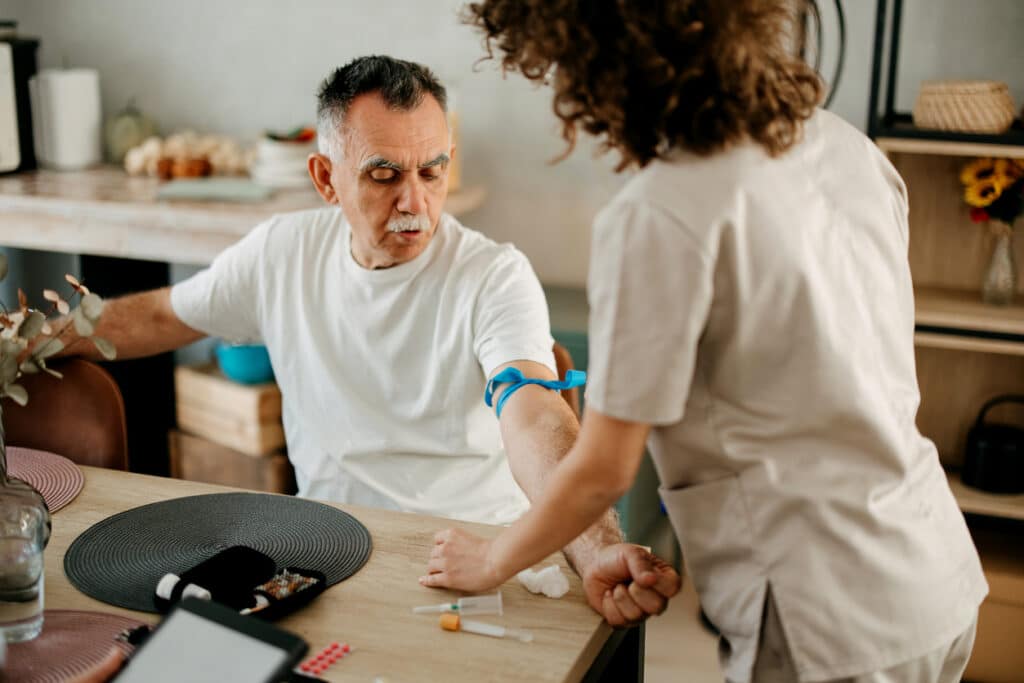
245	363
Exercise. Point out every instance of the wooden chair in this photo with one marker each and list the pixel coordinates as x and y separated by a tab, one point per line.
563	362
80	417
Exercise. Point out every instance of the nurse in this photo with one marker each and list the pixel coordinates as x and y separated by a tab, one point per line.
752	321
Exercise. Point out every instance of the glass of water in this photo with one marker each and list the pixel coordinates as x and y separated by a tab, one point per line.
22	538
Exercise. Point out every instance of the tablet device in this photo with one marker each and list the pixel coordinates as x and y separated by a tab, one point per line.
204	642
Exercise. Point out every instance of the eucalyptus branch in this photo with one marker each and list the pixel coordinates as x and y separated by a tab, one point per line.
27	339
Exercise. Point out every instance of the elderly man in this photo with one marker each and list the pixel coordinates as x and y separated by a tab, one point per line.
384	321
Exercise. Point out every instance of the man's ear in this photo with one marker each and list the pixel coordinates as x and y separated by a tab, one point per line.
319	166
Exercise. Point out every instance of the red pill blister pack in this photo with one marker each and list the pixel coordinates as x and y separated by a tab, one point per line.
324	659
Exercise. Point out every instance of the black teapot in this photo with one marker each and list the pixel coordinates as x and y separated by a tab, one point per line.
994	458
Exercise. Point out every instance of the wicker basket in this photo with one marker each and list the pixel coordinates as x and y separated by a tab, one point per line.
965	106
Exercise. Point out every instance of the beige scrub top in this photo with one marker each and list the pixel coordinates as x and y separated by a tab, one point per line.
759	312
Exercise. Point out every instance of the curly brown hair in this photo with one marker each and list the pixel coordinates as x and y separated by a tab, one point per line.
650	76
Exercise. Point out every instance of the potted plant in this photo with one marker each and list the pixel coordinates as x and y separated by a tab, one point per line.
28	339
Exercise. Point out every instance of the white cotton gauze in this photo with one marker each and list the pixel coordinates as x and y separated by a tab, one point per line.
550	581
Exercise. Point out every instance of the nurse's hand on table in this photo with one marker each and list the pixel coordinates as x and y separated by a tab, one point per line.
459	560
626	584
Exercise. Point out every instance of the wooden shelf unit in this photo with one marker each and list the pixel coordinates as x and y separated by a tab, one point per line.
901	135
955	148
967	351
980	503
958	320
961	310
947	340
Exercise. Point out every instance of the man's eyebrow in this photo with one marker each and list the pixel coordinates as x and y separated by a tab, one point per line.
379	162
439	160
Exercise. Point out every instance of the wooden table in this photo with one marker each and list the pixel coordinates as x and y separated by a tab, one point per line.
105	212
372	610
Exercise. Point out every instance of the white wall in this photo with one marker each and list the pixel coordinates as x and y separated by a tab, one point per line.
237	67
240	67
961	39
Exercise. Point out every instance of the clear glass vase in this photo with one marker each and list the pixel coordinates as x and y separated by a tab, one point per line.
1000	284
24	532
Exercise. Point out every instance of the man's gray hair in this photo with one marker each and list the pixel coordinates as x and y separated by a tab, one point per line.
401	84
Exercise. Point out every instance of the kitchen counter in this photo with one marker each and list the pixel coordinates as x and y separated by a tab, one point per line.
105	212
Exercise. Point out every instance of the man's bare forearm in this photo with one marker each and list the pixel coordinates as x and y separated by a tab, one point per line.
584	550
538	431
137	325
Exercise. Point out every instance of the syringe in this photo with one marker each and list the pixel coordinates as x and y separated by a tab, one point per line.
453	622
471	604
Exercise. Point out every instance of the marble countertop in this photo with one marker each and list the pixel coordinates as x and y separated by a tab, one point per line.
103	211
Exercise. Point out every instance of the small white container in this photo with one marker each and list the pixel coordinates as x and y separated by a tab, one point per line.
273	152
67	118
282	164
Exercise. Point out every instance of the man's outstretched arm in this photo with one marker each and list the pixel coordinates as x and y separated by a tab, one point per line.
137	325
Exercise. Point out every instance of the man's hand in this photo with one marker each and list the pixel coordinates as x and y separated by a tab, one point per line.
626	584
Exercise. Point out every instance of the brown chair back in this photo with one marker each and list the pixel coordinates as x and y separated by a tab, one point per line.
80	417
563	362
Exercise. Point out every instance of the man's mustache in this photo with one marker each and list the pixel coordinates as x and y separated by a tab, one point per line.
417	222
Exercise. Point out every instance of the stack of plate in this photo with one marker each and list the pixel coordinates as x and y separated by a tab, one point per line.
281	163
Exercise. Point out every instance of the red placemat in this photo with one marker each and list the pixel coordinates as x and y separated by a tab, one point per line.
54	476
71	643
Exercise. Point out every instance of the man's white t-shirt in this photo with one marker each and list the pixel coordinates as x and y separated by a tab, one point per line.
382	372
759	312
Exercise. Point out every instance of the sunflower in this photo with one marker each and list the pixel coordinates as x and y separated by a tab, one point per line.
983	192
977	171
1007	171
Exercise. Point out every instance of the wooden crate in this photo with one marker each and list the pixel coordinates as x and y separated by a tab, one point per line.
245	418
198	459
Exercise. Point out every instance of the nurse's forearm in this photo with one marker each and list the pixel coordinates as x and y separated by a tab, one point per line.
574	499
538	429
599	468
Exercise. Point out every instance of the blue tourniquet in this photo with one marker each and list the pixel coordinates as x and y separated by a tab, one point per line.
573	378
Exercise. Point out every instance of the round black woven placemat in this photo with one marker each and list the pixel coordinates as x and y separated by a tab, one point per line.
121	559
